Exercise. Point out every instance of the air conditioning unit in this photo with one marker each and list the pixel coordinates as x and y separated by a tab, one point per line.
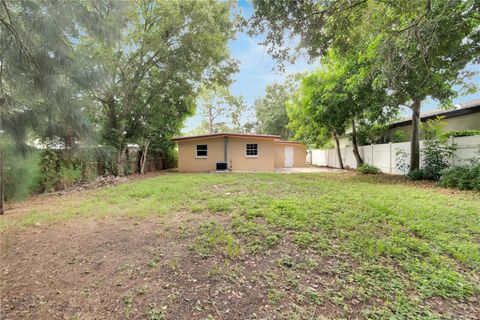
222	166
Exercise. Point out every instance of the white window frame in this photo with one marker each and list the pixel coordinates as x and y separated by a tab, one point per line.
251	156
196	151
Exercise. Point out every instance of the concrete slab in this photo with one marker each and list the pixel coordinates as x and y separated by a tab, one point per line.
310	169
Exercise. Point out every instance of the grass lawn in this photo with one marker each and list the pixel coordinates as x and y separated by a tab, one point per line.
245	246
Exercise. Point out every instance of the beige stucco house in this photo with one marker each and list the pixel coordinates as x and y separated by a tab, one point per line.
465	116
238	152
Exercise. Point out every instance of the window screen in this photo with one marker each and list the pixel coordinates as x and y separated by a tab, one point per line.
251	150
202	150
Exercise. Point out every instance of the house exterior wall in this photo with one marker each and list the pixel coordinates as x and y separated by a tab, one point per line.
271	155
187	151
238	161
236	157
279	156
299	155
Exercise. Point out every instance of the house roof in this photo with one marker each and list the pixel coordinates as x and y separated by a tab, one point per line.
276	139
460	110
218	135
287	142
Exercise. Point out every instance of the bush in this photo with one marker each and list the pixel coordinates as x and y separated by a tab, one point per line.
462	177
20	171
462	133
69	175
368	169
57	174
437	151
417	174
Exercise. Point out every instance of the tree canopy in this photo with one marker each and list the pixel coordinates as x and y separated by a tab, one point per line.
418	48
85	74
271	109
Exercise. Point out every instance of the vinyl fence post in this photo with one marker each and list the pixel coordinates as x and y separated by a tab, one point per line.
390	152
372	154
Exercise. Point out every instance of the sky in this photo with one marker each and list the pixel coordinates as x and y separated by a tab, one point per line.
256	71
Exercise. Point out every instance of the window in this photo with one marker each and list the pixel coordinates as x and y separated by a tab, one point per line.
251	150
202	150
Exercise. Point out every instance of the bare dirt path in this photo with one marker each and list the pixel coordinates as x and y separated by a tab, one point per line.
118	269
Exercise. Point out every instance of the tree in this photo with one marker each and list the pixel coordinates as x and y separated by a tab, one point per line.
422	45
369	102
320	25
161	116
320	111
271	109
166	43
39	72
345	93
426	46
218	105
40	76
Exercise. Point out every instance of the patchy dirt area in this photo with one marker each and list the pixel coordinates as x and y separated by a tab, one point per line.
138	269
224	250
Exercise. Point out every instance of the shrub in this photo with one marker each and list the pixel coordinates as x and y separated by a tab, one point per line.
69	175
416	174
368	169
462	177
437	151
19	171
399	136
57	174
462	133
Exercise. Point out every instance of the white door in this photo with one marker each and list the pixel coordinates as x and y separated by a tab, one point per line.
288	157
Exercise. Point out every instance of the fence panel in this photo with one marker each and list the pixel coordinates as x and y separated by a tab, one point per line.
349	158
381	156
397	150
332	158
467	148
388	157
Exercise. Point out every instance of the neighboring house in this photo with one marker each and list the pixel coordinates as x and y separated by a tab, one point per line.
466	116
238	152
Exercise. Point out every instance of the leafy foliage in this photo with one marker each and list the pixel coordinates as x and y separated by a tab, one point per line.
417	174
80	76
462	177
57	174
271	110
168	49
437	151
417	48
461	133
220	109
19	172
368	169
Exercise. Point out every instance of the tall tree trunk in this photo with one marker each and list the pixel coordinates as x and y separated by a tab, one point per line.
143	158
358	158
339	153
415	142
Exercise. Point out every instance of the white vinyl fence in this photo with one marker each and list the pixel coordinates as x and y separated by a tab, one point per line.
384	156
